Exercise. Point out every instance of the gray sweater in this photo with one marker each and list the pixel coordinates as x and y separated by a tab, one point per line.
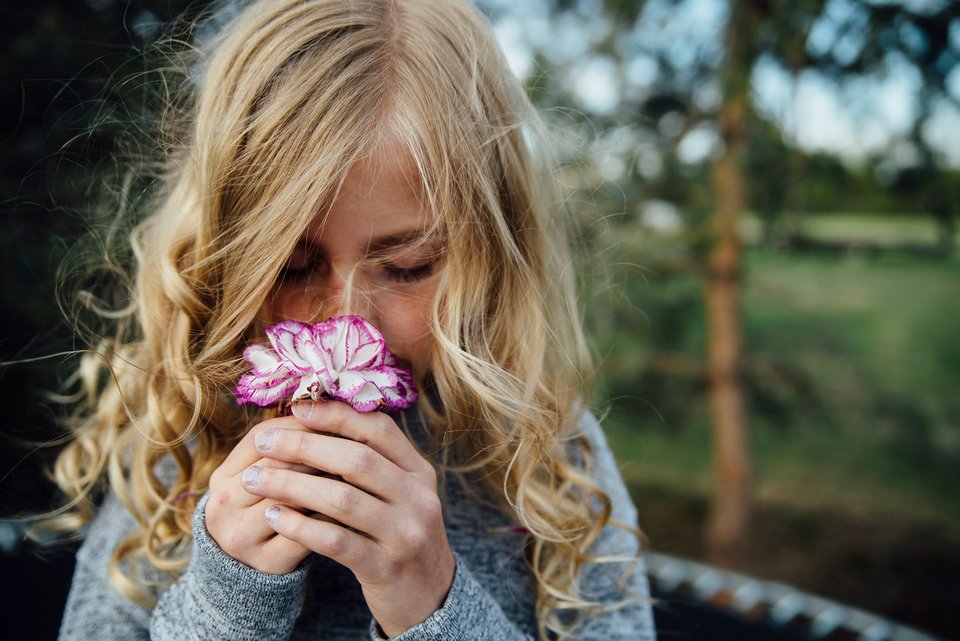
492	596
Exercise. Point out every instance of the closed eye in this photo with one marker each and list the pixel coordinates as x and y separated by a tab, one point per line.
302	263
409	274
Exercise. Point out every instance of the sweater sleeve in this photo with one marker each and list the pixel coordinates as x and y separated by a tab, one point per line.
217	597
621	587
221	598
469	613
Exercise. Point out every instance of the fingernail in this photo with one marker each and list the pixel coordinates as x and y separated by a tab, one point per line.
251	476
272	514
263	441
302	409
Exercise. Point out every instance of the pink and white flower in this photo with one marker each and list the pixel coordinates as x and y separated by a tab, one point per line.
343	358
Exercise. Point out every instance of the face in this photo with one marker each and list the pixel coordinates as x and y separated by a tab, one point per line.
369	254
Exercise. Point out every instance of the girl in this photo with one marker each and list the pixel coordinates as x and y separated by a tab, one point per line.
371	157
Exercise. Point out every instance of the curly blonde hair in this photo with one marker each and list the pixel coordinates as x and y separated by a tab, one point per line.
275	108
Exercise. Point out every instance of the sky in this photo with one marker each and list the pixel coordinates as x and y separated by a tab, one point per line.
863	118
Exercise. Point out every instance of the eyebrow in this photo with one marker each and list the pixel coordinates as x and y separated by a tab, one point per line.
382	244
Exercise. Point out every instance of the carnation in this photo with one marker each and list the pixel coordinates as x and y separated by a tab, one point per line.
343	358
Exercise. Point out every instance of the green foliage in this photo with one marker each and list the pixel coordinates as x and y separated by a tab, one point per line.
843	40
852	367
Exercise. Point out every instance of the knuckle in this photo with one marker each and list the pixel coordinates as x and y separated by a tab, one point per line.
273	478
431	508
291	442
339	413
384	425
335	542
412	535
344	499
363	462
218	501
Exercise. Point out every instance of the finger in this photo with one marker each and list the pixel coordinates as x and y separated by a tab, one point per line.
240	498
330	497
355	462
375	429
279	555
277	550
244	454
237	529
350	549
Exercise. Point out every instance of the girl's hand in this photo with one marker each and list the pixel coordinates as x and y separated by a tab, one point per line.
384	518
234	517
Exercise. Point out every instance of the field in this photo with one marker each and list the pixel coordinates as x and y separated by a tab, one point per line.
879	342
853	367
852	370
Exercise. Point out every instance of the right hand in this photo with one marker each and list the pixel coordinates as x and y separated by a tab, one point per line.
235	518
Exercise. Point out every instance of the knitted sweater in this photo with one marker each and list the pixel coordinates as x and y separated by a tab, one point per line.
492	596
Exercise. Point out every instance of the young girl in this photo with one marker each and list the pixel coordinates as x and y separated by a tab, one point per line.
369	157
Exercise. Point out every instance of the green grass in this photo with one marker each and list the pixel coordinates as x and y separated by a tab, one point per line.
896	317
876	340
882	230
889	230
803	467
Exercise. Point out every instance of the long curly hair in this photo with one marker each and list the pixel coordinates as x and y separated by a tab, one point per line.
275	107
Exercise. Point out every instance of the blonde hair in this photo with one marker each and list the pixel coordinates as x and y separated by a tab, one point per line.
287	97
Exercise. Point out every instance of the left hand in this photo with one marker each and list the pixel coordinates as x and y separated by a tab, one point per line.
381	517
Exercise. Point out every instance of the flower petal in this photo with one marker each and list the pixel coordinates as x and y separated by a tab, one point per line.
325	337
366	344
401	397
333	341
265	390
305	343
258	381
349	383
263	359
382	376
367	355
282	336
367	399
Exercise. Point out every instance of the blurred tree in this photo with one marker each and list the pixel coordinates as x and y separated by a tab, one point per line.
684	78
733	487
869	37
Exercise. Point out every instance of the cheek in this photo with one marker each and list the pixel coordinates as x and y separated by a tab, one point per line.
405	323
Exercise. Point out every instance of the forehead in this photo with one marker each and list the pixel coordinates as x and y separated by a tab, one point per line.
381	195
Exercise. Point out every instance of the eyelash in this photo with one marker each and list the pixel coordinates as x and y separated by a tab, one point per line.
394	273
409	274
296	274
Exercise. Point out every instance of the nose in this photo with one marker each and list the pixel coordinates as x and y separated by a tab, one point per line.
324	296
354	301
345	296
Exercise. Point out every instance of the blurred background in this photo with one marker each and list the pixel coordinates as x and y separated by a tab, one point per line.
767	196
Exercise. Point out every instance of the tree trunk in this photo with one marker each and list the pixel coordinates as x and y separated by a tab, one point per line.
726	530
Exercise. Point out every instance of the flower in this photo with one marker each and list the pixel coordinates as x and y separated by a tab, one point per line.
343	358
